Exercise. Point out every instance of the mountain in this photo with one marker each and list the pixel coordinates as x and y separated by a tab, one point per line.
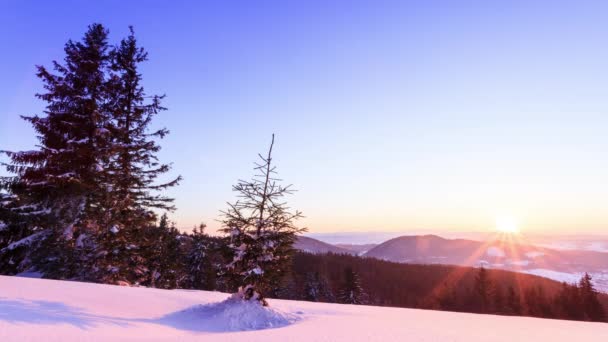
51	310
425	249
310	245
357	249
507	253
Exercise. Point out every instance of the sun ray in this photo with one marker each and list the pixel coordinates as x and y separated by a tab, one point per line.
459	272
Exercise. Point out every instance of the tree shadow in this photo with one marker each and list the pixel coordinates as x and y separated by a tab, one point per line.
212	318
18	311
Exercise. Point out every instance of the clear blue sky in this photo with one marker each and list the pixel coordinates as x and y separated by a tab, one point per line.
396	115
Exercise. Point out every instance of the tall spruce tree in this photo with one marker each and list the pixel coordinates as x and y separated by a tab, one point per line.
56	191
261	233
131	172
78	205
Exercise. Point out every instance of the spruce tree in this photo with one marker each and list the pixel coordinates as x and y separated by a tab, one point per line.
312	287
57	196
568	302
13	231
316	288
80	204
199	260
135	167
289	287
446	298
593	309
165	259
537	303
498	298
261	232
351	291
483	287
132	171
513	302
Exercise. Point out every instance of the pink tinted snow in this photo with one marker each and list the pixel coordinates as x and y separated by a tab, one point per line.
37	309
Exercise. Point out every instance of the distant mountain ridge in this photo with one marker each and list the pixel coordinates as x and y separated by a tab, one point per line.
508	254
314	246
358	249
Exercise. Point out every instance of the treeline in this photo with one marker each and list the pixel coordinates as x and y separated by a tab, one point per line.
327	278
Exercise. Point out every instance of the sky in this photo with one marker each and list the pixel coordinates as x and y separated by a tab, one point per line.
389	115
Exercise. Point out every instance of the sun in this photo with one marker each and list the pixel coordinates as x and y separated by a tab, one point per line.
507	224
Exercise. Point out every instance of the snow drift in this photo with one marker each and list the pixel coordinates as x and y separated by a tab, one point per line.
48	310
229	315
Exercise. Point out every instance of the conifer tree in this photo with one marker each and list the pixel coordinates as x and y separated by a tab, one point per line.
316	288
446	299
351	291
312	287
498	298
537	303
568	302
164	257
289	287
261	233
200	268
57	196
81	202
483	286
132	171
13	230
594	311
513	302
135	166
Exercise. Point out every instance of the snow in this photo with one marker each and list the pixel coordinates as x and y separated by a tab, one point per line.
519	262
495	252
598	247
582	245
555	275
30	274
80	240
25	241
231	315
533	255
49	310
79	141
257	271
599	279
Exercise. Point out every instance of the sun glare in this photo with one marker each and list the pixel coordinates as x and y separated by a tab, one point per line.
507	224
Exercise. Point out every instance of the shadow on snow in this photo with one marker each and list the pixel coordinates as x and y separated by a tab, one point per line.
218	317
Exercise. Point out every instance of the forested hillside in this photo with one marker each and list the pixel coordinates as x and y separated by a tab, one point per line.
328	277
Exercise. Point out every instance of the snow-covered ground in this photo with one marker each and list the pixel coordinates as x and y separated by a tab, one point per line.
47	310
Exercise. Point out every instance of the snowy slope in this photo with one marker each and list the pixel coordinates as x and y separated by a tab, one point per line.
47	310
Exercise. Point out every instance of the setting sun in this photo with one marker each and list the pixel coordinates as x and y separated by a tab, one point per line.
507	224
